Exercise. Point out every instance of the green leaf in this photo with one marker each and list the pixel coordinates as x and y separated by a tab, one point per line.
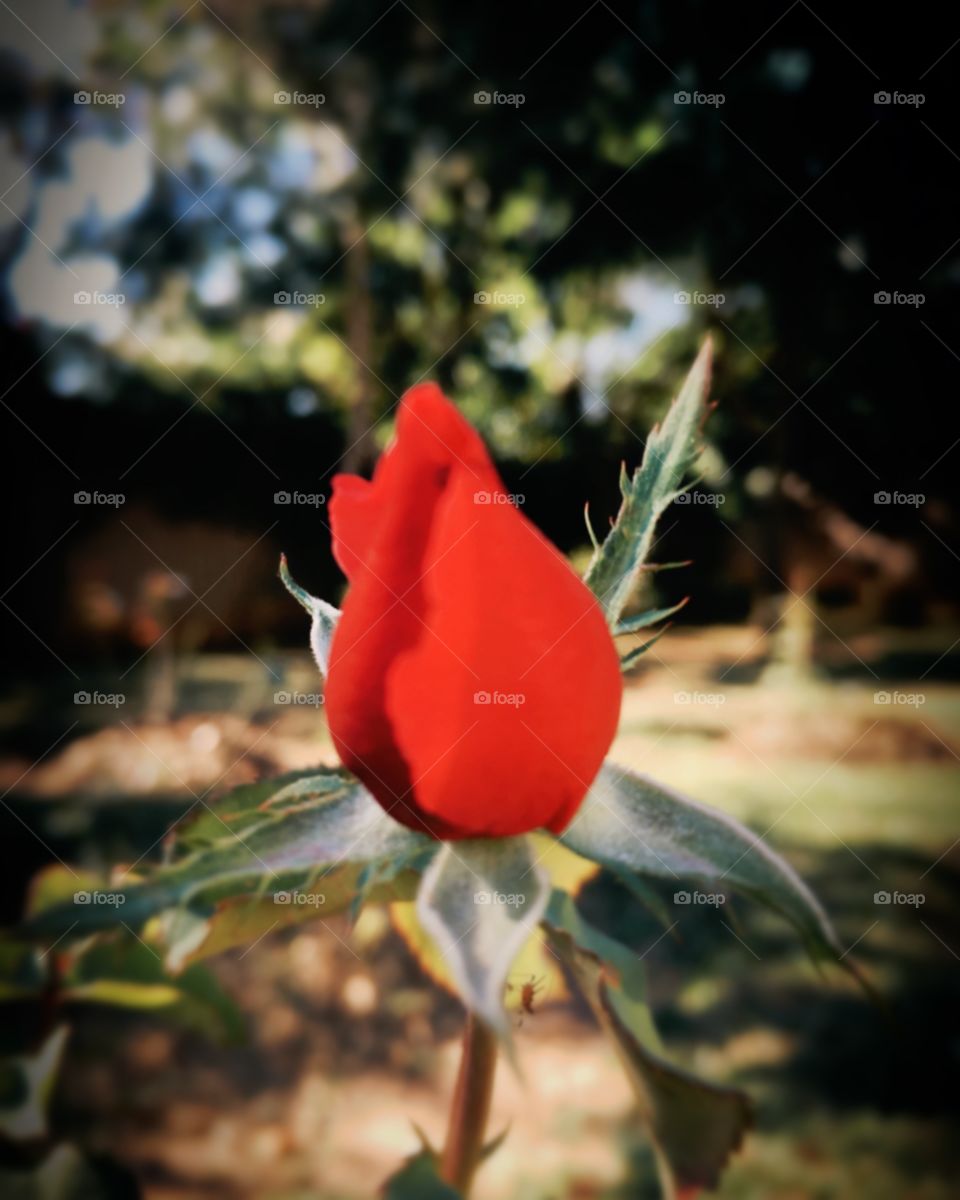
629	821
240	920
21	971
417	1179
646	894
127	973
620	963
480	900
323	617
670	454
653	568
124	994
24	1116
694	1126
245	805
206	1006
303	831
56	883
122	972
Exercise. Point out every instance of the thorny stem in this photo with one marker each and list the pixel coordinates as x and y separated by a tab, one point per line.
471	1106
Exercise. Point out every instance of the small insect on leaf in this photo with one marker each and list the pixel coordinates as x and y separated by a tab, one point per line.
526	993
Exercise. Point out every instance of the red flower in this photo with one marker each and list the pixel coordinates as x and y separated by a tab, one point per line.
473	685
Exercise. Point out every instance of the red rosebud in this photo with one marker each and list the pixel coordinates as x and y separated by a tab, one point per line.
473	687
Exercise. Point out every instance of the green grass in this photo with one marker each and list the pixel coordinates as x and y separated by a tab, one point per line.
852	1100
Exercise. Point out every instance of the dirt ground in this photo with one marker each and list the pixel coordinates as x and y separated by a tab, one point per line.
349	1048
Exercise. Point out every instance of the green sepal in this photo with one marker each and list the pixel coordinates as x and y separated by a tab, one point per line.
653	616
323	617
693	1126
671	452
632	823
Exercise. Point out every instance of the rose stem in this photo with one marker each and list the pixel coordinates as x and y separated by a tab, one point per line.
471	1105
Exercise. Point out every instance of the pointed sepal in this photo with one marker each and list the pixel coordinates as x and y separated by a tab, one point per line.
480	900
323	617
630	822
671	452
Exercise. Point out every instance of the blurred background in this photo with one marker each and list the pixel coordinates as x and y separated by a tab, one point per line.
231	236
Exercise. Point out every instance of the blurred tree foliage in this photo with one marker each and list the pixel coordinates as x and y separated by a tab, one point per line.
581	199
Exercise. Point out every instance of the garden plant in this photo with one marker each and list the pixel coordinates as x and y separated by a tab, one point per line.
472	688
